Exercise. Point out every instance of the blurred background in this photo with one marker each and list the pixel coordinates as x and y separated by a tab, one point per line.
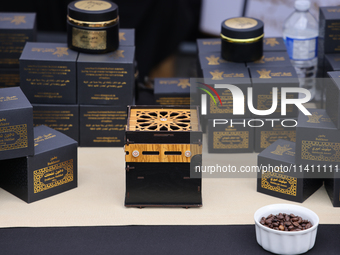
166	31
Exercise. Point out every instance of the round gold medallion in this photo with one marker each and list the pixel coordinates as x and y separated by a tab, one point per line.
240	23
93	5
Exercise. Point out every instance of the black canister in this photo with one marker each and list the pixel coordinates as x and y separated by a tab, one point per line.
92	26
242	39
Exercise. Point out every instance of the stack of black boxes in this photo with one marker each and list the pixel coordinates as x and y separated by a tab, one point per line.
35	163
81	95
15	30
274	69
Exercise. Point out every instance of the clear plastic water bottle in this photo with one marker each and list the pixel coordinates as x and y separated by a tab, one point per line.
300	33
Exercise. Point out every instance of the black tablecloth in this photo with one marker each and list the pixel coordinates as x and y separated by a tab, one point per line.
226	240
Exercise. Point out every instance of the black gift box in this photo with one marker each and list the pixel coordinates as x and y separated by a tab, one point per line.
102	125
277	176
236	75
63	118
317	140
172	91
48	73
208	60
333	189
236	136
272	59
16	124
106	79
332	63
15	30
209	45
273	130
333	98
264	79
273	44
52	170
9	77
127	37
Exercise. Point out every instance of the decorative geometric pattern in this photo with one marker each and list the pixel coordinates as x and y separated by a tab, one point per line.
227	102
231	140
324	151
163	120
18	130
264	102
268	137
279	183
53	176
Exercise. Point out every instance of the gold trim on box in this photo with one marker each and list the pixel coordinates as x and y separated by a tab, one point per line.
279	183
78	40
291	134
91	23
248	40
21	142
143	152
306	145
218	136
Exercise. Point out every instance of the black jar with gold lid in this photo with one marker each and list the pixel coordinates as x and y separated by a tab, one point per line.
93	26
242	39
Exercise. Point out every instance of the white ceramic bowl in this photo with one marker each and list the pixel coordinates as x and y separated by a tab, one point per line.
285	242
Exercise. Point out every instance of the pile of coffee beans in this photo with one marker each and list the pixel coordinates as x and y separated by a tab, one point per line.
285	222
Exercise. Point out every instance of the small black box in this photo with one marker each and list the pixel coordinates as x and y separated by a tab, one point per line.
272	59
48	73
274	44
209	45
273	130
230	136
264	79
63	118
332	63
238	76
172	91
9	77
333	98
102	125
16	124
317	140
106	79
277	176
15	30
52	170
127	37
208	60
333	189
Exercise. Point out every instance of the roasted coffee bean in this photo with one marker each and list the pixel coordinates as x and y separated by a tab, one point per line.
285	222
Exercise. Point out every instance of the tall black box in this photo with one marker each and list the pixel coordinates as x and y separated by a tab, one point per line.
9	77
333	98
52	170
48	73
63	118
236	136
272	59
273	130
264	79
234	75
317	140
102	125
333	189
127	37
274	44
16	124
172	91
15	30
106	79
277	176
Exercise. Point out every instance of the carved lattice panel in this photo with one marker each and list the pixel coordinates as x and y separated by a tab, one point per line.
163	120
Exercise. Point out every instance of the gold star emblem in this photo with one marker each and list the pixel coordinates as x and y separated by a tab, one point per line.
281	149
183	83
61	51
18	20
216	75
122	36
264	74
314	118
271	41
213	61
260	61
117	54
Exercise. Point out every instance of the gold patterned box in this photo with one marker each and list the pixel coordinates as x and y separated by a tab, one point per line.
9	77
52	170
16	124
276	176
274	44
317	140
172	91
15	30
230	136
48	73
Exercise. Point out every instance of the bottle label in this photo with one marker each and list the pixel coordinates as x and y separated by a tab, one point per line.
301	49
